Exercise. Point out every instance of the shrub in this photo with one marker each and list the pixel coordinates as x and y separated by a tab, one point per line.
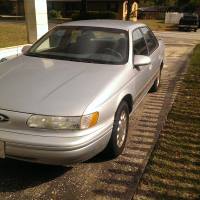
55	14
69	13
95	15
5	7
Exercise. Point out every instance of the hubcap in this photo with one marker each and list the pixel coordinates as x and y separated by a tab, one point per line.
121	130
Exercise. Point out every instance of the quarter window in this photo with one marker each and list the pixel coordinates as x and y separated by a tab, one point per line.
150	39
139	44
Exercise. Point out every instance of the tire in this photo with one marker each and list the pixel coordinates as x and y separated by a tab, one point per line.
119	136
195	30
156	83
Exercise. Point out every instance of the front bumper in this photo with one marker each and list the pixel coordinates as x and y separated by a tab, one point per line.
56	150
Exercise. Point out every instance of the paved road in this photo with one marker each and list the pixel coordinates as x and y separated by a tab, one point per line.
100	178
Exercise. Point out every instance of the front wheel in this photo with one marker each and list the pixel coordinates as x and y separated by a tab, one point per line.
120	131
156	83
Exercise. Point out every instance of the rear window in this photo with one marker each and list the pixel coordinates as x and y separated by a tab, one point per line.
190	18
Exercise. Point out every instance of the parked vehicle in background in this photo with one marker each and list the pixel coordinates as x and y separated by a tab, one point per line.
70	95
189	22
199	20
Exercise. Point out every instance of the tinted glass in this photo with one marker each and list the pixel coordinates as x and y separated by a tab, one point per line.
139	44
84	44
150	39
190	18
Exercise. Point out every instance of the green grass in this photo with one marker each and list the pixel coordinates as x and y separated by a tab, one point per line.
12	34
173	171
158	25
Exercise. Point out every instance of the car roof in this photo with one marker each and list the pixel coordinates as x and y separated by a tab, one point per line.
116	24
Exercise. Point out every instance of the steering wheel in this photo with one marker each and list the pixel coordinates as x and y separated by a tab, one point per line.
114	52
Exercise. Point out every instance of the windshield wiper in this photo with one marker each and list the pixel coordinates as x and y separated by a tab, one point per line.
39	55
88	60
85	60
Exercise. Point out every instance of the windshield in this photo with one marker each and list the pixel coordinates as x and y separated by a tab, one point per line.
83	44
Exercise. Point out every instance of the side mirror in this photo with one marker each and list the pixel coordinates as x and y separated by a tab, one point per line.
140	60
25	48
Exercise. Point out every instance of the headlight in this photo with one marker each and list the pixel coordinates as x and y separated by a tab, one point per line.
63	123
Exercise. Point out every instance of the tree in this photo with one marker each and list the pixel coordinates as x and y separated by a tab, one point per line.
195	3
144	3
165	2
188	5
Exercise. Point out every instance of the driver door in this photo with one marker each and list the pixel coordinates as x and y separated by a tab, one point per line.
140	72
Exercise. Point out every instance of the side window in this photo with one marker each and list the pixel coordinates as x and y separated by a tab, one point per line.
139	44
151	40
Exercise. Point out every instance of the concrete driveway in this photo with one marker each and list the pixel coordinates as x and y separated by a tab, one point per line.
100	178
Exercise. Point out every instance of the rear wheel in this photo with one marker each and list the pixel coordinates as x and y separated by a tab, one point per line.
156	83
120	131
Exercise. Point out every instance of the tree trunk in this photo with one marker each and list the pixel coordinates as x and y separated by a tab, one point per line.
129	10
83	7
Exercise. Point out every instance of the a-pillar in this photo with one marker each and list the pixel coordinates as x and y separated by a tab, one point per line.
36	19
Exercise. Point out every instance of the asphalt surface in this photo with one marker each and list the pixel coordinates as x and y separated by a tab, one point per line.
101	178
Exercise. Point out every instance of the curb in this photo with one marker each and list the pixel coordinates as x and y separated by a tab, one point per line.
177	80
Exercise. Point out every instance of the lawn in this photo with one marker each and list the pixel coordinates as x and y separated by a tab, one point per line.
12	34
158	25
173	171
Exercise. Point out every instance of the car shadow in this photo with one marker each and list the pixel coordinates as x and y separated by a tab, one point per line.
100	158
18	175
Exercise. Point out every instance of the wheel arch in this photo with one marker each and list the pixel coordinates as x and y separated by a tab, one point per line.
129	100
162	65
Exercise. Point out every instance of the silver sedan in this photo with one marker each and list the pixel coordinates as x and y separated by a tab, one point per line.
69	96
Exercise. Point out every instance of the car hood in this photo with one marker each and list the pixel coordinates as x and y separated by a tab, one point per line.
52	87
